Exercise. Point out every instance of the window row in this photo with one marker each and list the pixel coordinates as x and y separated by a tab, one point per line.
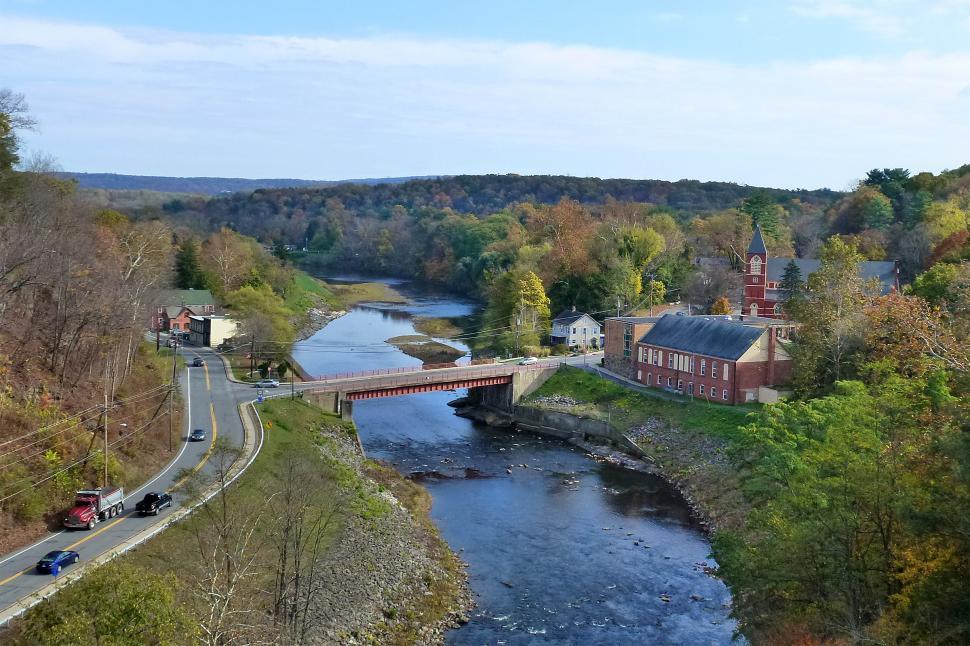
712	391
682	362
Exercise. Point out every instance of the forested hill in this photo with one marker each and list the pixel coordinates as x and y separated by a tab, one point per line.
206	185
484	194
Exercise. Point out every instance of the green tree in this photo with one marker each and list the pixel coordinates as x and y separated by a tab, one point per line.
114	604
877	211
935	285
188	269
763	210
792	285
832	319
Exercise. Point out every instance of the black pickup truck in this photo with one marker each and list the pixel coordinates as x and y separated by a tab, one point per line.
153	502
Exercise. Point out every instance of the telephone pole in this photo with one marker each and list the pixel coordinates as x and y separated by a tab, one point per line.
252	356
106	386
171	399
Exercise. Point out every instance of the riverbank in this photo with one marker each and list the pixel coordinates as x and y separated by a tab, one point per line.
318	302
326	546
686	443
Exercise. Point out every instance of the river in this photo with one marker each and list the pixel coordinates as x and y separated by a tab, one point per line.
562	550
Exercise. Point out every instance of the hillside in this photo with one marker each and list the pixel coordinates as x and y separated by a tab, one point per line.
205	185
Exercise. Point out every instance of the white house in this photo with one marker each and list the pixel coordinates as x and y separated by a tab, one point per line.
574	328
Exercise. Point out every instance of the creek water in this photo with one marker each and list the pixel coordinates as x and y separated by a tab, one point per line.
562	550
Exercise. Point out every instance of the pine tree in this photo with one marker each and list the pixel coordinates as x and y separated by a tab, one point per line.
792	282
188	271
763	210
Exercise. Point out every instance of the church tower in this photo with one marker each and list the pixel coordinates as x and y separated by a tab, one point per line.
755	276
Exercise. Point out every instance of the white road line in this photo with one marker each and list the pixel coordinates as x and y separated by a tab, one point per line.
185	444
188	394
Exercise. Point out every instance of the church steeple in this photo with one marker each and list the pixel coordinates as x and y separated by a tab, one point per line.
757	245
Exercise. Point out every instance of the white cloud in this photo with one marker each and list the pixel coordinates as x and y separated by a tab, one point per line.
183	103
871	16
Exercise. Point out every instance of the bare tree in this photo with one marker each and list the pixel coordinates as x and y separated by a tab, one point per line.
301	527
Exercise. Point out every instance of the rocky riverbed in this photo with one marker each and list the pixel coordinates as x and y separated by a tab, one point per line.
388	577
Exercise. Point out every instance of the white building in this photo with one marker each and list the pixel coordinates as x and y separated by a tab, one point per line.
211	331
574	328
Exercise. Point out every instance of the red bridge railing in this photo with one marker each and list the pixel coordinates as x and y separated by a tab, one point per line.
453	371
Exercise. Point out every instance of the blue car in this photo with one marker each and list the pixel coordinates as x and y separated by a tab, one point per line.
62	558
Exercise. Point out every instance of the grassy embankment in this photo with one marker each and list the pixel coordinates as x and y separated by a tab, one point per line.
357	495
689	441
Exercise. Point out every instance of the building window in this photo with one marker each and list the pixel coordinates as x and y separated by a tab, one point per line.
713	392
703	368
754	309
702	389
690	388
724	394
574	330
756	265
658	380
755	280
692	364
714	369
670	382
660	357
670	360
777	309
680	384
640	376
649	377
725	372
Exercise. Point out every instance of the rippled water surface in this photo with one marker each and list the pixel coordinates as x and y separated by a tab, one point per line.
561	549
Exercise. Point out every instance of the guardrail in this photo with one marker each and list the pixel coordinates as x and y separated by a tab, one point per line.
454	371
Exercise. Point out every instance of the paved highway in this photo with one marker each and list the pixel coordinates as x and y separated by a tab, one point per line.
211	404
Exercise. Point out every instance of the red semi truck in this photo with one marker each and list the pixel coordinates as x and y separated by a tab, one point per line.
93	505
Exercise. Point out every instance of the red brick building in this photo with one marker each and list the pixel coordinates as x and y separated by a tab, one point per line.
763	277
174	307
620	334
714	358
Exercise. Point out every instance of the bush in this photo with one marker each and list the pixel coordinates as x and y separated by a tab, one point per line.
560	348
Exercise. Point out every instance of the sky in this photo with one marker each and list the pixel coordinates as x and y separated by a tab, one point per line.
786	93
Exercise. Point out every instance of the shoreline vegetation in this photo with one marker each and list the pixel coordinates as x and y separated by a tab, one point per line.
426	349
370	566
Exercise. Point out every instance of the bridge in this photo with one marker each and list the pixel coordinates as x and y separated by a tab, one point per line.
498	386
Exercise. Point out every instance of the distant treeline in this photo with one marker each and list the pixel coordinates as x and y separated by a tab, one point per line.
204	185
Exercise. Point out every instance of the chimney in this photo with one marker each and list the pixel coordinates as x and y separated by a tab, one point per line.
771	356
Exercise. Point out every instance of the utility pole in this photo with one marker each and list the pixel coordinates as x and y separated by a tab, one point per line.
619	302
252	356
106	382
171	399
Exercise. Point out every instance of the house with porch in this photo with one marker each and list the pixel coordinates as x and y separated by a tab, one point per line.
574	328
718	359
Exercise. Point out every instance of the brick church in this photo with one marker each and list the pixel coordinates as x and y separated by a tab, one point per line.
763	277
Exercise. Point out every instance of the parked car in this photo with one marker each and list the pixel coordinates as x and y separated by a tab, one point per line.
153	502
60	558
198	362
528	361
267	383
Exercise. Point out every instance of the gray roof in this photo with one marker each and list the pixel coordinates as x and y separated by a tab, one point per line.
634	319
758	242
703	335
568	316
884	271
186	297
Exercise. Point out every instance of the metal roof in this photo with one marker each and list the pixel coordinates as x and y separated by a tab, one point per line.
758	242
705	335
567	317
186	297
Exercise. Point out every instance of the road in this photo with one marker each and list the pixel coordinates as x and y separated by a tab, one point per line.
211	404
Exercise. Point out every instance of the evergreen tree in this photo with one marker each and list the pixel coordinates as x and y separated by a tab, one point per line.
792	282
763	211
188	271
